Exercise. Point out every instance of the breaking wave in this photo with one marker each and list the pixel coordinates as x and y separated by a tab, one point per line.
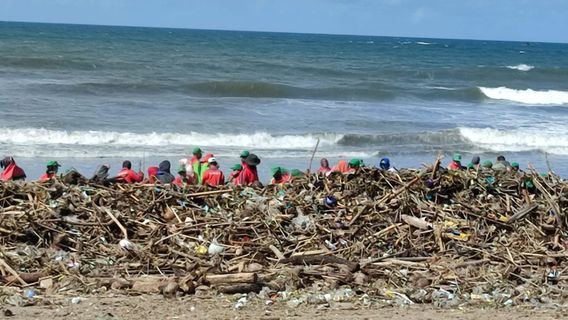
517	140
260	140
528	96
521	67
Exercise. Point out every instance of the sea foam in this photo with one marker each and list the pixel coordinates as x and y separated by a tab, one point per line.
260	140
554	142
521	67
528	96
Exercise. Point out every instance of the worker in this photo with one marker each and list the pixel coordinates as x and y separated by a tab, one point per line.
244	155
280	176
183	178
384	164
456	162
152	173
51	171
342	166
164	175
501	164
475	163
515	167
234	176
354	165
213	177
196	163
204	166
324	166
249	175
127	175
11	171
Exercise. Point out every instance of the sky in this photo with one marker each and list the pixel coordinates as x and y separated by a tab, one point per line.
520	20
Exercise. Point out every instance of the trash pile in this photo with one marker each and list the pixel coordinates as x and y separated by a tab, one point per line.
416	236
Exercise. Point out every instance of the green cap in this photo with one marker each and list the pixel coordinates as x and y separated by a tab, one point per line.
470	166
181	168
245	154
197	150
487	164
355	163
276	170
457	157
296	173
53	163
237	166
515	164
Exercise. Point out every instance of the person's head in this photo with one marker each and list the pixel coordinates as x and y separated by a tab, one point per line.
237	167
487	164
197	152
324	163
384	164
501	158
515	166
276	173
153	171
52	167
475	160
457	157
244	155
127	164
165	166
252	160
181	170
212	162
6	162
355	163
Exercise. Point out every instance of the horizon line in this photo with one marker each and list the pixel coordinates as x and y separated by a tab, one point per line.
278	32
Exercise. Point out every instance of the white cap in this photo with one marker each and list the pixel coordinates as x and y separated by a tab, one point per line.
212	159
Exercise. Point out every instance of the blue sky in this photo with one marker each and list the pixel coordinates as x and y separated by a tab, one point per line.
524	20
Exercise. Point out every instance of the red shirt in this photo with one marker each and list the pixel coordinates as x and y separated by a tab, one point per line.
46	176
129	176
213	177
248	176
324	170
285	178
12	172
454	166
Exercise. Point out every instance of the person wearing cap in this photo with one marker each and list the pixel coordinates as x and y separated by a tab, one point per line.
515	167
127	175
501	164
475	163
152	173
213	177
11	171
51	171
487	165
195	162
280	176
342	166
354	165
183	178
384	164
164	175
324	166
244	155
455	165
249	175
235	173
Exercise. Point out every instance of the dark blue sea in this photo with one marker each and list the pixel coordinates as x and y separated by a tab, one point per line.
85	95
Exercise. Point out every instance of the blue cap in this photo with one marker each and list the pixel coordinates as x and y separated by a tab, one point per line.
385	163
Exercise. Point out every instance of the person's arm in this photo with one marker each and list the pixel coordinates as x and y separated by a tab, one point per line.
222	179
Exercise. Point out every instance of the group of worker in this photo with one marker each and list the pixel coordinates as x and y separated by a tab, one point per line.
500	165
203	169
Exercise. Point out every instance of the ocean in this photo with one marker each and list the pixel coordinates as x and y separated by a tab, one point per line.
86	95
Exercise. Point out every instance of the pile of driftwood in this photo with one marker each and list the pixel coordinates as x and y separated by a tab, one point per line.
418	229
